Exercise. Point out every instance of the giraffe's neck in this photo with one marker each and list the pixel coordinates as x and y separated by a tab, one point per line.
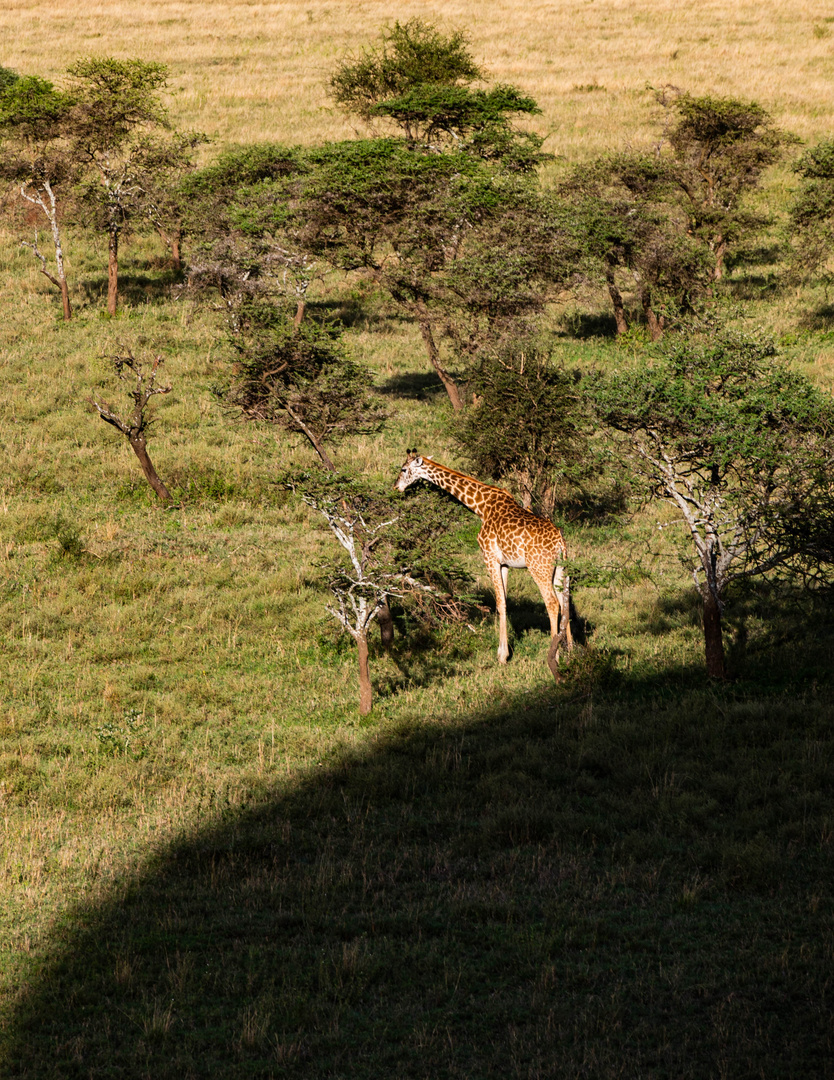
466	489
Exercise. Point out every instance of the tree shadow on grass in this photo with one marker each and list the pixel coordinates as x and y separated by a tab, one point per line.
414	385
349	312
821	319
135	288
589	325
766	285
574	881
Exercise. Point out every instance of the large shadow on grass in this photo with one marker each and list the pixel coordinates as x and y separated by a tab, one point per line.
619	876
140	284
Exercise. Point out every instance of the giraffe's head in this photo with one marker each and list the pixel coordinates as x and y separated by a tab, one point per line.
411	471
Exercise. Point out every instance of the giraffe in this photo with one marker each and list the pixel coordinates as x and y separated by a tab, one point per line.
510	537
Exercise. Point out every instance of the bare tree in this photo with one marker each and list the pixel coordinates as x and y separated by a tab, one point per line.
135	428
392	552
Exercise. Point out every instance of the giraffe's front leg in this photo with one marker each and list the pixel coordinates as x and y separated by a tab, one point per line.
498	574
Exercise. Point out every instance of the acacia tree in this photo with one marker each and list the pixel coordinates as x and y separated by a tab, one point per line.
528	424
630	221
33	120
742	447
409	55
721	146
298	377
236	212
161	174
397	209
113	132
464	248
812	211
420	80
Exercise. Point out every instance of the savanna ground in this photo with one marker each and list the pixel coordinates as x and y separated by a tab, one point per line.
210	866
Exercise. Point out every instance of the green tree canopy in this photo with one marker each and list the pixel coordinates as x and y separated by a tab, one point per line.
812	211
528	425
741	445
721	146
410	55
299	377
421	80
113	130
36	155
631	225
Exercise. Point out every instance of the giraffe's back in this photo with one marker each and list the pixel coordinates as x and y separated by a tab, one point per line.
518	537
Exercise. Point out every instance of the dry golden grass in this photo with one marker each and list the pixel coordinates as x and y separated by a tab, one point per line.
249	71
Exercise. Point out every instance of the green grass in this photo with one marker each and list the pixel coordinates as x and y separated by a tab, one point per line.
211	866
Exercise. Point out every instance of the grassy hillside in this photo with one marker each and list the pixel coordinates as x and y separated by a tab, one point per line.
259	70
209	865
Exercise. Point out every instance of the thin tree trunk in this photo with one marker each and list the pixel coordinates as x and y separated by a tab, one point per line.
65	299
113	271
50	209
141	451
720	251
654	324
176	249
434	359
365	689
59	253
617	301
314	441
60	283
713	636
386	625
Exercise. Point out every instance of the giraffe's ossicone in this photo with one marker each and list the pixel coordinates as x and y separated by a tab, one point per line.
510	537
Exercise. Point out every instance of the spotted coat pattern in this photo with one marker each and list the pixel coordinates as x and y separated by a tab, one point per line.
510	537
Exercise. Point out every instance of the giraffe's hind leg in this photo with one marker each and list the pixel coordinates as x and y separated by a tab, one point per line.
558	587
544	580
559	618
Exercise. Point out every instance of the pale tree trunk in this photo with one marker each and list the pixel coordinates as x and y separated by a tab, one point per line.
50	209
365	689
59	256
